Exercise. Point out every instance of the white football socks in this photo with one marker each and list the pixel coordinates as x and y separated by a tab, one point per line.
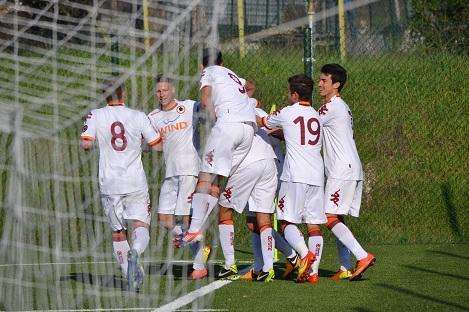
226	239
140	239
282	245
342	232
257	251
344	256
268	246
198	251
120	252
294	237
202	206
315	244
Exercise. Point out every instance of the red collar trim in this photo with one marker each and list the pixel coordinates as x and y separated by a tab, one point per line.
304	103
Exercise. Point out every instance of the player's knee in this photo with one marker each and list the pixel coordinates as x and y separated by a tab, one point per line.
137	223
332	220
119	236
283	225
264	226
225	216
314	231
215	190
251	224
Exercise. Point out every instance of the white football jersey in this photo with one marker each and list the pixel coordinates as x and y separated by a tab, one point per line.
229	96
119	131
273	141
340	152
303	138
176	128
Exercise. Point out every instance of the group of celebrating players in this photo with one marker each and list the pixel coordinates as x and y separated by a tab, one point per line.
243	146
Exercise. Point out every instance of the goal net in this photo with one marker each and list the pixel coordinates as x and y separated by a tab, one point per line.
56	249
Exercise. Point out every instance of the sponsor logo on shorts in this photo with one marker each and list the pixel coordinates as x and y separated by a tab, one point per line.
227	193
281	203
335	197
209	157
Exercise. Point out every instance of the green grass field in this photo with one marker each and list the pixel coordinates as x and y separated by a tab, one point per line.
405	278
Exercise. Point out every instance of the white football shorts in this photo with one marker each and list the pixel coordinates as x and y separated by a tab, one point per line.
301	203
132	206
175	195
343	197
255	183
226	147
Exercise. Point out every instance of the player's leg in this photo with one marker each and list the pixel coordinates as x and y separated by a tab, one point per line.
137	210
314	216
113	209
315	244
267	246
256	247
121	247
345	259
342	201
226	232
167	204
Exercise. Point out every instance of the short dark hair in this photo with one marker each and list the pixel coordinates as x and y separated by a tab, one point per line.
337	72
211	56
301	84
163	78
117	87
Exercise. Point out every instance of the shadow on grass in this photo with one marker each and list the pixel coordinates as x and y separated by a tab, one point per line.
447	195
110	281
360	309
445	253
438	273
422	296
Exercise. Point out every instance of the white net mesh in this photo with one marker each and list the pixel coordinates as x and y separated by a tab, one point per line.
56	250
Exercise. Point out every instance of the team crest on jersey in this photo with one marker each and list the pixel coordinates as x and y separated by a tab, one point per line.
323	109
227	193
335	197
281	203
209	157
180	109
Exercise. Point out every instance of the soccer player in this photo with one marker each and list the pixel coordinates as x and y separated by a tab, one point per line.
118	131
230	139
343	170
255	180
251	222
301	190
175	122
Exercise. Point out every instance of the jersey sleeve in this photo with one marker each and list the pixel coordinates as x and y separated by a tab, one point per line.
274	120
326	114
149	134
261	113
206	78
89	128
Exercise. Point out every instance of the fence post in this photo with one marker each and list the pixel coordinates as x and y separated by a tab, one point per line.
342	47
242	50
308	40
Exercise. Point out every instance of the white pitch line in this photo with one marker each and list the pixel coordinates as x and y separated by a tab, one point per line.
193	295
112	262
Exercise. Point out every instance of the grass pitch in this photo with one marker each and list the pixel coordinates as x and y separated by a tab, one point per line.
404	278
